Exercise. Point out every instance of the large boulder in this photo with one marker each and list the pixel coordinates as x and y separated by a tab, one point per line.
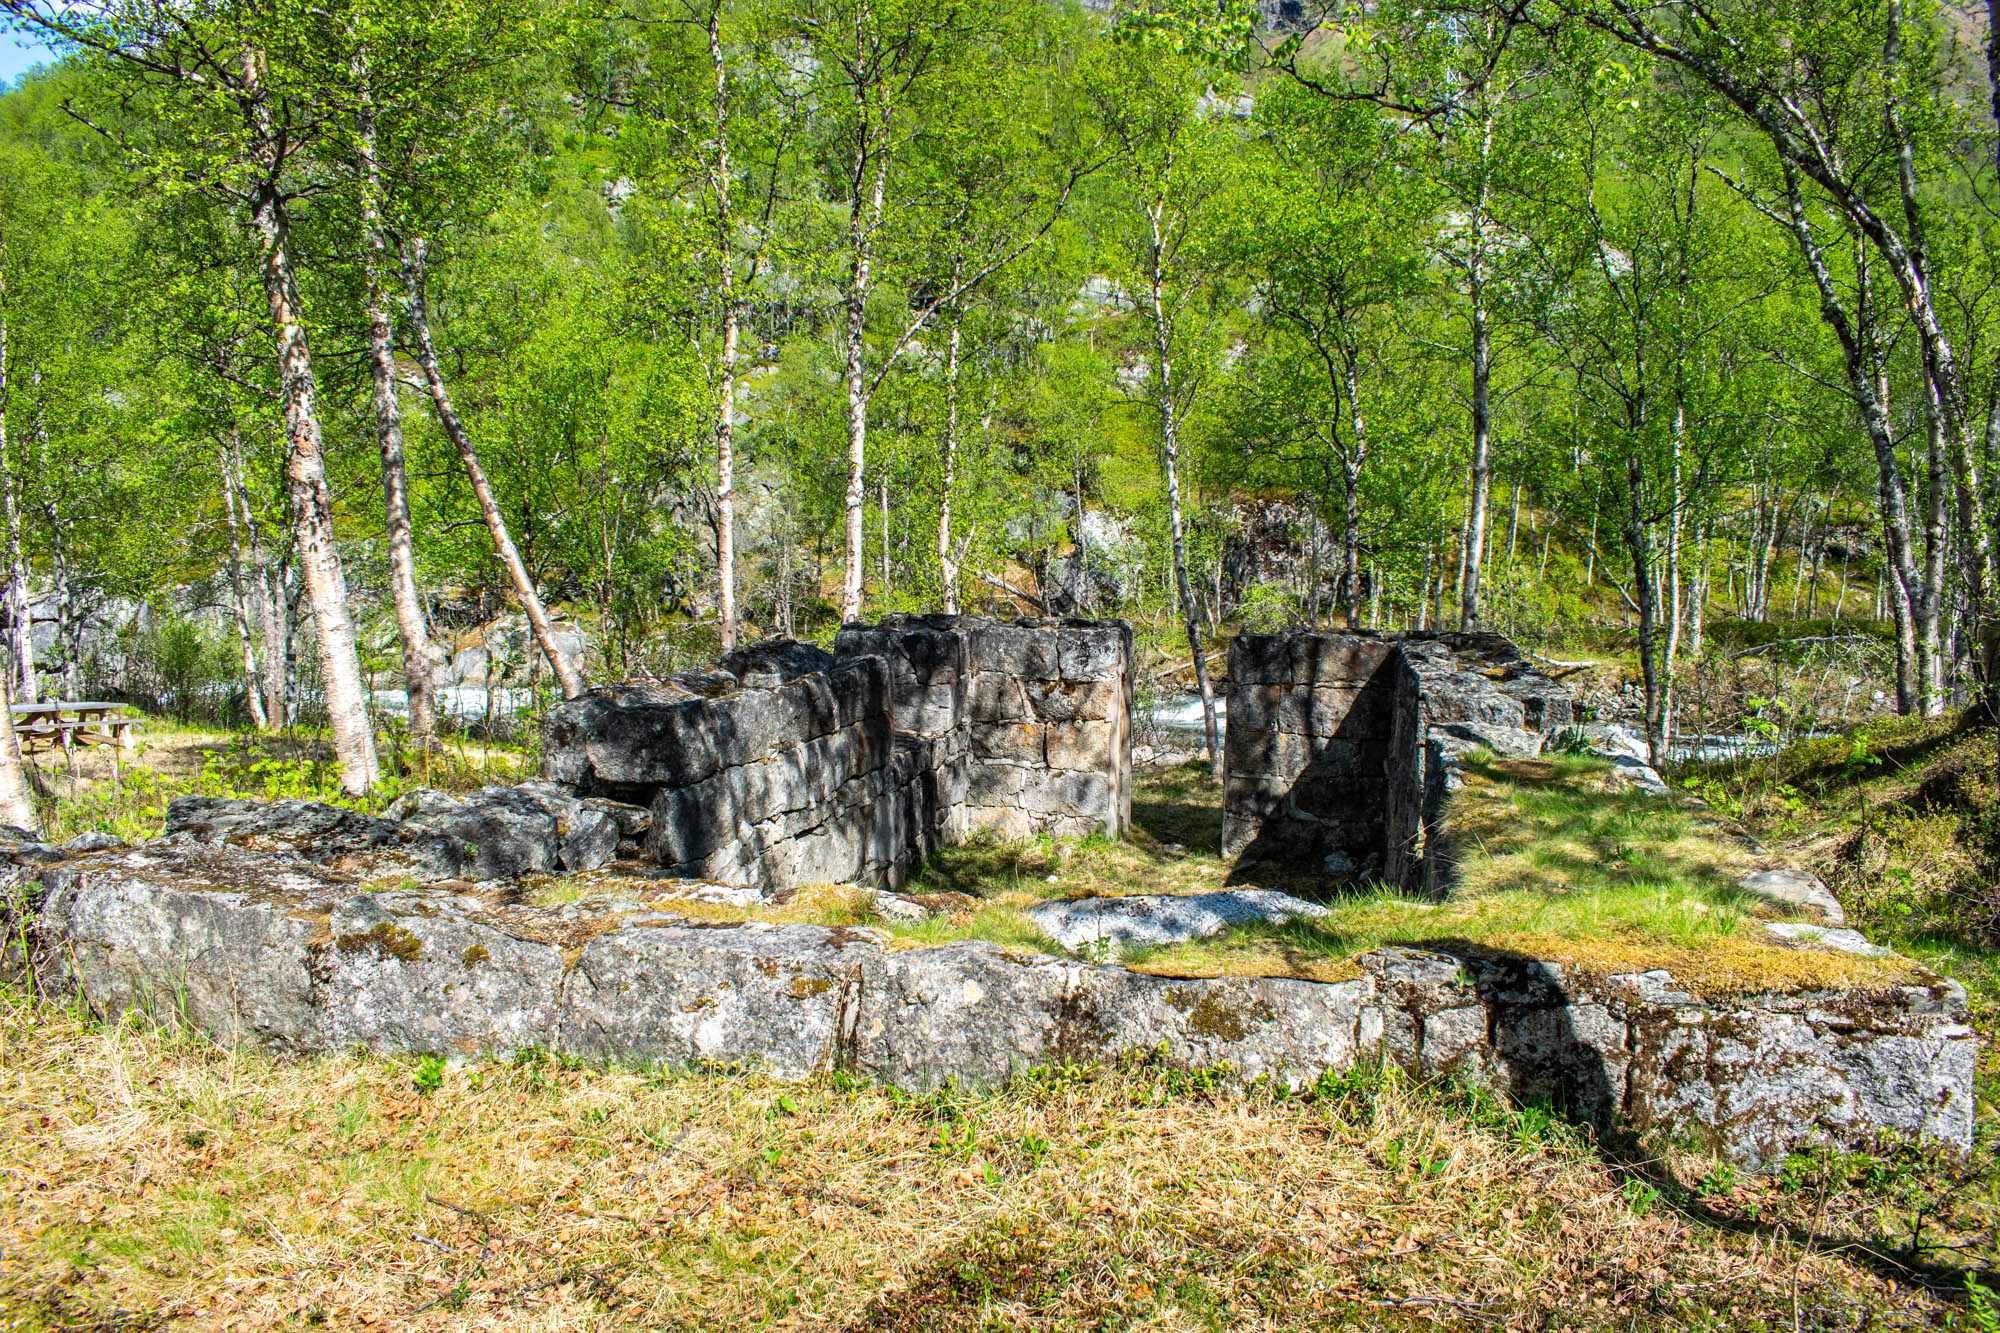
321	834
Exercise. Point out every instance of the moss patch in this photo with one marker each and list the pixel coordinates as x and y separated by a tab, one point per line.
387	940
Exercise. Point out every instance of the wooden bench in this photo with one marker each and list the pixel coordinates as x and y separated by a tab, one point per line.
63	725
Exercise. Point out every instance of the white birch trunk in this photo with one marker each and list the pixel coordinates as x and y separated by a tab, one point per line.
1170	457
403	591
312	498
725	426
862	226
253	684
17	806
489	509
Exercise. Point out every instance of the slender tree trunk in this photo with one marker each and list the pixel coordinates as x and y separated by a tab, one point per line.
253	683
1350	574
1170	458
1862	354
17	807
1482	432
270	605
312	498
1671	576
1932	612
725	426
19	613
862	226
496	525
20	607
1640	543
68	631
947	562
403	590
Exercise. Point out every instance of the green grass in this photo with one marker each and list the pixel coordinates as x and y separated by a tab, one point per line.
1555	861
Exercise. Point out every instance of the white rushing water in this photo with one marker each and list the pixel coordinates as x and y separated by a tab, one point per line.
464	703
1183	713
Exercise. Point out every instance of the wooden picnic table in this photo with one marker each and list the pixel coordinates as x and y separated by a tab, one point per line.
86	722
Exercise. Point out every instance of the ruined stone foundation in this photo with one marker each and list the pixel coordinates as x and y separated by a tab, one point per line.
793	766
311	928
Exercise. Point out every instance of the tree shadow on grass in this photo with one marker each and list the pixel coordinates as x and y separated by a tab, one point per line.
1178	806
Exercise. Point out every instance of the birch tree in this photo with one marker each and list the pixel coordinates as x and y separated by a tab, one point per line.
881	66
237	104
1171	145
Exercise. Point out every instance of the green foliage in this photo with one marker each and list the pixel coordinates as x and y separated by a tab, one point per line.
429	1075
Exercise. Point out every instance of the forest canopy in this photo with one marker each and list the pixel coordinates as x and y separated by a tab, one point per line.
340	327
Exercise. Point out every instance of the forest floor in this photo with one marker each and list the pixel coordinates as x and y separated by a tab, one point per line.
153	1179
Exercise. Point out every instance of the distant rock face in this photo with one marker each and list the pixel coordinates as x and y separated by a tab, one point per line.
256	945
1117	923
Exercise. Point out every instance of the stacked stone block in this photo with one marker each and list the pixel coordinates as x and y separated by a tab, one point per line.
791	765
790	781
1049	722
1341	745
1311	717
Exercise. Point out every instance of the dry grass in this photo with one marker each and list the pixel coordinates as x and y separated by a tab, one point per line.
154	1180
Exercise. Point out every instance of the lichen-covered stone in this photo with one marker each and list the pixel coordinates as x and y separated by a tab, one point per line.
253	946
1121	922
322	834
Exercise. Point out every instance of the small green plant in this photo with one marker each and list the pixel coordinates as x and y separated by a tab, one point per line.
429	1076
1640	1196
1568	741
1982	1305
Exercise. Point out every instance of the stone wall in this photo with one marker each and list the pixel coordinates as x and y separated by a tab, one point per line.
1049	715
1339	744
790	765
255	946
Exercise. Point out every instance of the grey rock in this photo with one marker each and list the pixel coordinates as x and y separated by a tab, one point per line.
896	907
321	834
1506	742
1629	772
1115	923
30	854
254	946
592	840
508	831
93	840
1846	941
1796	888
422	972
1613	741
217	936
775	661
784	998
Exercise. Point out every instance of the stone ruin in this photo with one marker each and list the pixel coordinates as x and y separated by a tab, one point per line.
1341	747
794	766
310	928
